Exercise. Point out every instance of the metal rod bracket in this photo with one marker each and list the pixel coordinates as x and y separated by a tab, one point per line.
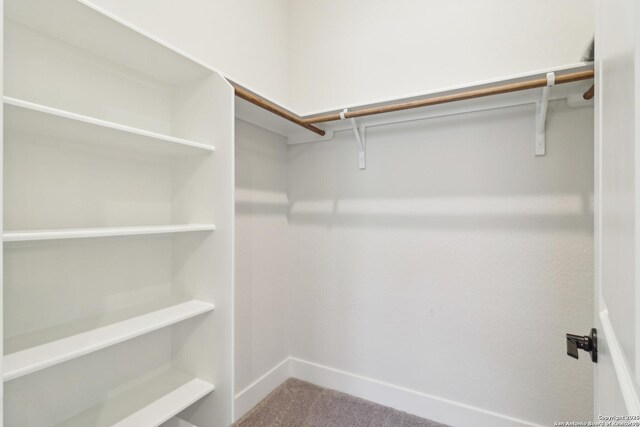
360	137
541	117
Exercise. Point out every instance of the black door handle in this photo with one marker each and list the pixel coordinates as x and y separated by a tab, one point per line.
588	343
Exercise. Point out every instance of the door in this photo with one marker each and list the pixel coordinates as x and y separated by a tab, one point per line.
617	208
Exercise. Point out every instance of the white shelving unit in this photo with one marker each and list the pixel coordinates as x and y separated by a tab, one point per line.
118	161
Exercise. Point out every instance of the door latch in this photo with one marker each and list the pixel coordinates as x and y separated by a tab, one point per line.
588	343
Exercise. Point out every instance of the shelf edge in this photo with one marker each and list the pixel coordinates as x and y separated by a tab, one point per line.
98	232
68	115
157	409
39	357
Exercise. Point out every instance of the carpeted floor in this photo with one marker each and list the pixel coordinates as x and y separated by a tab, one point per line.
300	404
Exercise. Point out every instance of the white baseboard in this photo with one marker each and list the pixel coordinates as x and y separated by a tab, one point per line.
259	389
414	402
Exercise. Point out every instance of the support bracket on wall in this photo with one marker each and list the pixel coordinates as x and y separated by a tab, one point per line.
541	116
360	137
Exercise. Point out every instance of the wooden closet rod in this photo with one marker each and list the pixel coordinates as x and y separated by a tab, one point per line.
590	93
496	90
275	109
308	123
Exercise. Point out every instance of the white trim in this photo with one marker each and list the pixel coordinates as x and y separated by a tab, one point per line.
259	389
597	199
621	366
414	402
636	125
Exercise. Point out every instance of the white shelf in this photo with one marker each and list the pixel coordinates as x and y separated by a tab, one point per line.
36	358
52	122
84	233
177	422
83	24
167	406
148	405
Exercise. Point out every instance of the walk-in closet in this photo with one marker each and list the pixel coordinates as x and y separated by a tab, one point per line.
283	213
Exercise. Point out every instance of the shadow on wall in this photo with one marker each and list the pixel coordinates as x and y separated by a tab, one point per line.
465	172
261	174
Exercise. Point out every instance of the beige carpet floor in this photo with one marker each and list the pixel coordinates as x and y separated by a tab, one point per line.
300	404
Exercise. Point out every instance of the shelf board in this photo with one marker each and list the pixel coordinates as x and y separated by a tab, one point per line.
68	126
85	25
85	233
45	355
147	405
177	422
168	405
33	338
